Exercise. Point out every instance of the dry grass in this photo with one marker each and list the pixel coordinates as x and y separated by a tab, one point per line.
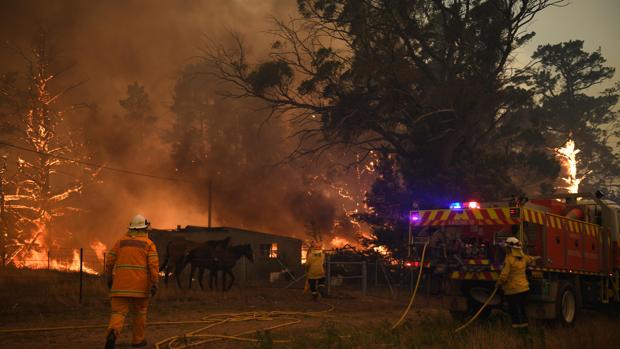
36	298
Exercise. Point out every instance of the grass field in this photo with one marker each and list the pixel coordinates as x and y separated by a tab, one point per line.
34	299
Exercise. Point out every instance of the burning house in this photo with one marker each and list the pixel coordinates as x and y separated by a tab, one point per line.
272	253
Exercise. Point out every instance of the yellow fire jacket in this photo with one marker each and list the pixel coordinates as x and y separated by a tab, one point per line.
135	265
512	278
314	264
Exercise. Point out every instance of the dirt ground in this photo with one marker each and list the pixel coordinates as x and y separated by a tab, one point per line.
171	305
38	299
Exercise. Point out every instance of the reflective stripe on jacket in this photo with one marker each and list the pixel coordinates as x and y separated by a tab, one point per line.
314	264
135	265
512	278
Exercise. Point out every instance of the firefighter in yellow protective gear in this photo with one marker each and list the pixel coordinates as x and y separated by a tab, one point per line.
315	271
132	268
514	282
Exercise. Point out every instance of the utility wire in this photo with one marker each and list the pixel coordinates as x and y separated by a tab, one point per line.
114	169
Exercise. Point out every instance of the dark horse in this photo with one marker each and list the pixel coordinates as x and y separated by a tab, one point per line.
177	249
208	257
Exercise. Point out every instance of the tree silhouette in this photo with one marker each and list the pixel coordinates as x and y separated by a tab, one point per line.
562	83
139	116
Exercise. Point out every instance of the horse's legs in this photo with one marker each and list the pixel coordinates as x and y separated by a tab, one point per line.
178	269
201	271
191	275
232	279
213	278
211	273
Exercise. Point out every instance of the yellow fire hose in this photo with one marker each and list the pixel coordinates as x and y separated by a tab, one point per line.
195	338
415	290
473	318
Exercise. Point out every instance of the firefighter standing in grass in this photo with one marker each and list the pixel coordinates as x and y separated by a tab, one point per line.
315	259
132	269
514	282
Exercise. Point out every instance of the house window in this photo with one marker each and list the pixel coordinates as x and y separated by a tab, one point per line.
273	252
268	250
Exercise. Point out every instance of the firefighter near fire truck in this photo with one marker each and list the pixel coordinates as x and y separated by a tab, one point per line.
132	268
577	237
513	281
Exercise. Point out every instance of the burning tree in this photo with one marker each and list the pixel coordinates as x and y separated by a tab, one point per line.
562	83
46	148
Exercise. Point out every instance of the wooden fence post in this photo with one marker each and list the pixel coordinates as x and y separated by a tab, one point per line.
364	278
329	274
81	264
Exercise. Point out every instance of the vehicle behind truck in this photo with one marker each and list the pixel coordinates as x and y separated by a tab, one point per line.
575	234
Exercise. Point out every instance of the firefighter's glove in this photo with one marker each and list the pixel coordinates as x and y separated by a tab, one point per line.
153	290
110	281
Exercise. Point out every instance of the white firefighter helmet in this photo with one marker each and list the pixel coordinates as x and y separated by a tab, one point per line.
513	242
139	222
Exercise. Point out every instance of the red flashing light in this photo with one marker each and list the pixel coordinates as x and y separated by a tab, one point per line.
416	264
472	204
408	264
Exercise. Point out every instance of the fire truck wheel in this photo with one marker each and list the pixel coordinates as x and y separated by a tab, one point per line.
473	306
566	304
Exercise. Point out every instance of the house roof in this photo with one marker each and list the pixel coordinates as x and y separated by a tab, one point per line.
200	229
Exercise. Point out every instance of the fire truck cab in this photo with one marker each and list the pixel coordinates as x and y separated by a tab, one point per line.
575	234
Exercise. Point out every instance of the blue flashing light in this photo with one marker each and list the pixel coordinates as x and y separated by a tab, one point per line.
456	206
414	216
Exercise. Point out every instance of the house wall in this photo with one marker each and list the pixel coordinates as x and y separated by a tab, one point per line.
289	250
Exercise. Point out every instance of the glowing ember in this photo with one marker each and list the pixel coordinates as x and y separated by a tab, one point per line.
339	242
381	250
567	155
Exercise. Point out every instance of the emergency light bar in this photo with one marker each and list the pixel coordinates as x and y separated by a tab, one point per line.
414	216
460	206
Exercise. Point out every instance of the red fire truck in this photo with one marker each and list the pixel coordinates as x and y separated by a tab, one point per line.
575	234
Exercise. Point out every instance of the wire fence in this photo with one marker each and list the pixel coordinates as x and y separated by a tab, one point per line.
87	263
64	259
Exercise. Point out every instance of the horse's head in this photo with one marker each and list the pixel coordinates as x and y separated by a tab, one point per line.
247	252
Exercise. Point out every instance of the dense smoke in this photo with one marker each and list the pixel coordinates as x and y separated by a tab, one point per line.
153	45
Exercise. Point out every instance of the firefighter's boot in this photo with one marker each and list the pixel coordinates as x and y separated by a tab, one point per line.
139	345
110	341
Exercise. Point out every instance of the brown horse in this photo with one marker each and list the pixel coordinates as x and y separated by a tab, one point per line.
207	257
177	249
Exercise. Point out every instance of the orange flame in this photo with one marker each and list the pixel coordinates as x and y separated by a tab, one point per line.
339	242
99	249
39	256
568	157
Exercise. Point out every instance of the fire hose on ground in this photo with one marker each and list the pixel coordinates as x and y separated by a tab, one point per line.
415	291
196	337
